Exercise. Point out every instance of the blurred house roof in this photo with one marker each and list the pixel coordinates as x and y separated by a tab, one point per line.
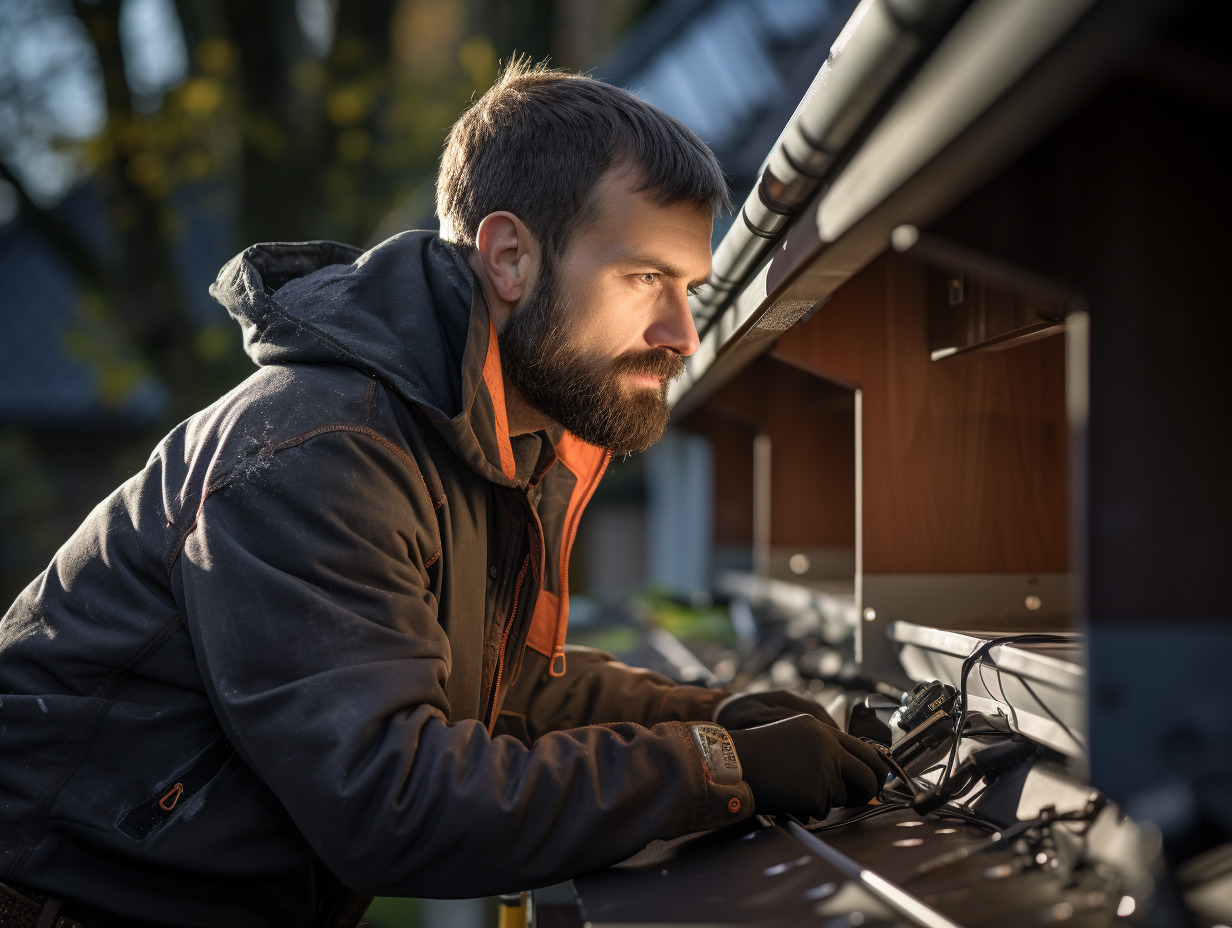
61	366
731	70
47	379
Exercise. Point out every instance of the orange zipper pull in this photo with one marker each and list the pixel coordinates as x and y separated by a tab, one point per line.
558	655
167	803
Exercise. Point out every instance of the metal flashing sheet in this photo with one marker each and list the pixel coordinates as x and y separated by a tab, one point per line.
1039	688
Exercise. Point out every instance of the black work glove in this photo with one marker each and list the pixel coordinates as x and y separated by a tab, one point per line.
802	766
744	710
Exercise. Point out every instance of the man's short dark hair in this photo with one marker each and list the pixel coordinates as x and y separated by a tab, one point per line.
537	142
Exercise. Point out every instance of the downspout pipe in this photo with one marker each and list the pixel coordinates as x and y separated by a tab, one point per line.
879	43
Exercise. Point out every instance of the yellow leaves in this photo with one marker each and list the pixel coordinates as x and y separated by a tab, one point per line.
430	43
186	139
148	170
265	135
130	134
346	106
118	379
125	216
213	342
477	55
423	33
308	76
217	56
194	164
201	96
99	150
96	342
157	153
348	51
353	145
93	306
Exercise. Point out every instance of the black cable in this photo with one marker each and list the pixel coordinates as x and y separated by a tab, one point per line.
1006	837
949	810
952	811
939	793
882	809
969	802
919	783
1052	715
893	764
983	733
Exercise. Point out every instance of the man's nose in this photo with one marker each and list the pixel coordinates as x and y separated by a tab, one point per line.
673	326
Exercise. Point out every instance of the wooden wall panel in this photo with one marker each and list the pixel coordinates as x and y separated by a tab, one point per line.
811	425
732	447
965	459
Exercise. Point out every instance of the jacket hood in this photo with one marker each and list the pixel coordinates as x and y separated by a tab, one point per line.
408	312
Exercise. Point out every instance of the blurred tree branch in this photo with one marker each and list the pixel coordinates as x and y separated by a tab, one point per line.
306	141
77	255
147	303
281	134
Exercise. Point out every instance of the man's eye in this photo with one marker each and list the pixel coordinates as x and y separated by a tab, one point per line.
648	278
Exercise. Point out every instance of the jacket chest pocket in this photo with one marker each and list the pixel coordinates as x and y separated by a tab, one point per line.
158	808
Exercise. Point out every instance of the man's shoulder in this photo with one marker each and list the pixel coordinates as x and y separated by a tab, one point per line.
298	395
280	406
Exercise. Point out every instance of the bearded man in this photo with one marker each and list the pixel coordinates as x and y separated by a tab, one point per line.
315	649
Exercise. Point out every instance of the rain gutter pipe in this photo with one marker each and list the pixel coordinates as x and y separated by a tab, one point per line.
873	52
999	77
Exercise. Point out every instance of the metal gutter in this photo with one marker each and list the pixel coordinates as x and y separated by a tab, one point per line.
1001	76
881	39
1040	689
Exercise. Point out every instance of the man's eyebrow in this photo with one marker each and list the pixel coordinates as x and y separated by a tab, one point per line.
665	268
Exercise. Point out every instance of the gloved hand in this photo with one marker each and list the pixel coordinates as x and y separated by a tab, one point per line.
802	766
744	710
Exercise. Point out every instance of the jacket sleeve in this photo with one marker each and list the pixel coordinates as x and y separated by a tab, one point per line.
305	586
597	688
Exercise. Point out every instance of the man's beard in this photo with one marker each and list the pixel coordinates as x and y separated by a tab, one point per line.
587	397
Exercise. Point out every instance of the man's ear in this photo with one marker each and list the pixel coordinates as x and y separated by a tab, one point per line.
508	255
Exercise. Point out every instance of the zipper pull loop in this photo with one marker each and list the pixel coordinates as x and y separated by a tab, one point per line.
167	803
558	656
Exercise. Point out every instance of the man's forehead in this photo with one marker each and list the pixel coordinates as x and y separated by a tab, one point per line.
625	183
629	223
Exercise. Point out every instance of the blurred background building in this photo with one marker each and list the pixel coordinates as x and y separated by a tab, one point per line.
144	142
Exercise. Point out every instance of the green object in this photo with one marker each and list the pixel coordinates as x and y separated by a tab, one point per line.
389	912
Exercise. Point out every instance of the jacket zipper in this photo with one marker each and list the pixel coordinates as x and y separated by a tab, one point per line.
500	655
167	803
558	648
154	811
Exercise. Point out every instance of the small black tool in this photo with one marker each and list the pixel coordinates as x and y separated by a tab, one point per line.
923	742
923	701
925	717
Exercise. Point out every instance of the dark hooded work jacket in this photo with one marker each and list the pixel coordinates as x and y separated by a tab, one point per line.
319	638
